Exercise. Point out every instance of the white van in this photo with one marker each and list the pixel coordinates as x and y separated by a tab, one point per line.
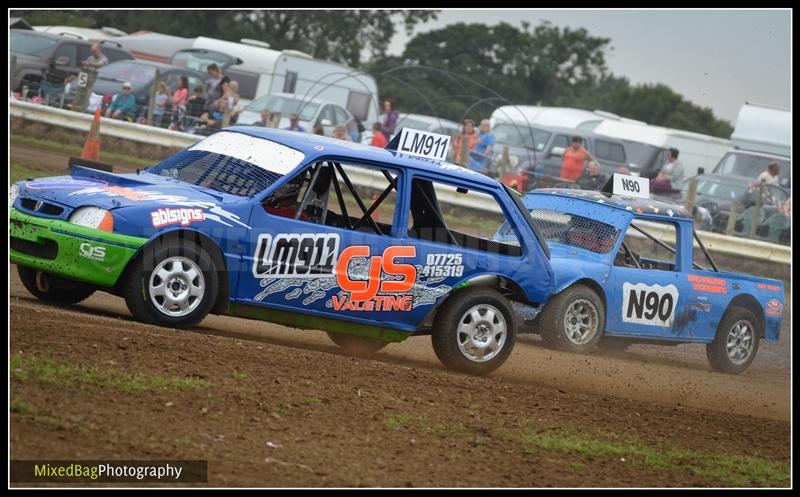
647	146
762	135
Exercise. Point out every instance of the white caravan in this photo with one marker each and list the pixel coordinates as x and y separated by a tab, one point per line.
290	71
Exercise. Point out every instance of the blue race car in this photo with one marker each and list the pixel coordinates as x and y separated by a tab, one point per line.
621	279
368	244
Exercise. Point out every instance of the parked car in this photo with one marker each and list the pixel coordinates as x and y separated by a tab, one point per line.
267	224
141	74
752	164
717	192
310	111
416	121
38	54
625	273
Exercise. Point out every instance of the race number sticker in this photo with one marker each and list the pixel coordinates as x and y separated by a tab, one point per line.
652	305
296	255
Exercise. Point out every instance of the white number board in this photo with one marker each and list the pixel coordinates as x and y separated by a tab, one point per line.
631	186
83	79
424	144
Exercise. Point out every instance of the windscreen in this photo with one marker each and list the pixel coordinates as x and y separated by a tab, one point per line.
30	44
286	106
137	74
232	163
516	135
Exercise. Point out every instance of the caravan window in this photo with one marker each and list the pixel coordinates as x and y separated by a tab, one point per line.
290	83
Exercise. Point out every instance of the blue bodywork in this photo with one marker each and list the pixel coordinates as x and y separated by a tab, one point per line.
673	301
239	227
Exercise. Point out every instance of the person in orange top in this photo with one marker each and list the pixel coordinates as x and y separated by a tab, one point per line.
378	138
468	133
573	159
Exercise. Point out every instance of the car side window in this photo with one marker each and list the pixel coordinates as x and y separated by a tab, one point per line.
114	54
324	193
561	141
648	245
341	115
327	113
70	50
444	213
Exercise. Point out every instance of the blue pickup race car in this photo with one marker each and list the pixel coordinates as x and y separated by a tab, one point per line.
368	244
634	270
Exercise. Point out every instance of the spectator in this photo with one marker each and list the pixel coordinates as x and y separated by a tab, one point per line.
213	90
482	152
573	159
592	178
389	118
378	138
160	103
671	175
340	133
770	176
294	124
702	218
70	85
266	116
97	59
319	129
181	95
196	104
124	104
469	135
214	118
232	94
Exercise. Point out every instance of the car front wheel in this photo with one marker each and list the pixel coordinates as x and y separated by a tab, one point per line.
173	283
52	288
474	332
573	320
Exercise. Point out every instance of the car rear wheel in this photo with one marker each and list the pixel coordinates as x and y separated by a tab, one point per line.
52	288
173	283
474	331
356	345
573	320
736	343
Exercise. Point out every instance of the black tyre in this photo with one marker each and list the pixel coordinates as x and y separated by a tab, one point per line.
173	283
355	344
52	288
574	320
474	331
736	342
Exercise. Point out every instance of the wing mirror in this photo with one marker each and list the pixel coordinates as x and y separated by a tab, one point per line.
326	122
557	151
61	61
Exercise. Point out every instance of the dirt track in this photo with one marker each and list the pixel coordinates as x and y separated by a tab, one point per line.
394	419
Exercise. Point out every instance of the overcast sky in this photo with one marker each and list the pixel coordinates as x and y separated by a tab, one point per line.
718	59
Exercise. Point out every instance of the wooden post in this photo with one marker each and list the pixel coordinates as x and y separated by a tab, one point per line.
13	72
505	163
691	195
226	118
757	210
464	156
152	100
85	83
731	220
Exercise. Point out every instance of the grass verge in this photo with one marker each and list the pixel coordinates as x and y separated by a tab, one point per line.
43	370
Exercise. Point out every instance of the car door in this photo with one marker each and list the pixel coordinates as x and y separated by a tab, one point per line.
314	251
646	288
327	113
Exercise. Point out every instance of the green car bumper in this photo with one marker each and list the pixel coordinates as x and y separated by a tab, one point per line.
70	251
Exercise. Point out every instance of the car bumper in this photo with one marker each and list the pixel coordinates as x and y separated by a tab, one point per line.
70	251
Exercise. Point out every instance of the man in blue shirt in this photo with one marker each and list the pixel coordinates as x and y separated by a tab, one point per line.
294	124
480	156
124	104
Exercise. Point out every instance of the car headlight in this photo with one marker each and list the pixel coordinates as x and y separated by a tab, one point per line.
13	193
93	217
